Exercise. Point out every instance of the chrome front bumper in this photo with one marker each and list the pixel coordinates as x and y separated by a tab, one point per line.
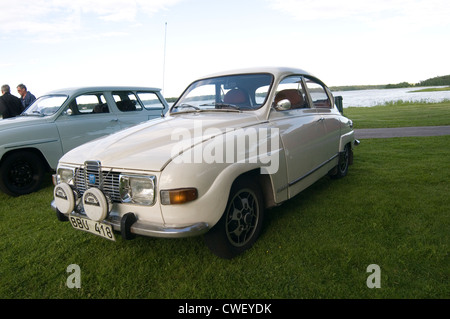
146	229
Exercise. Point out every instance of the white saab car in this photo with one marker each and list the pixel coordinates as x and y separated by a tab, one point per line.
31	144
233	145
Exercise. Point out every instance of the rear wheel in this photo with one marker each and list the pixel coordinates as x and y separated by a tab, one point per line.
344	161
240	225
21	173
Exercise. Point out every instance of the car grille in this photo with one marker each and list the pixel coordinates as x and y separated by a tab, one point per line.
91	175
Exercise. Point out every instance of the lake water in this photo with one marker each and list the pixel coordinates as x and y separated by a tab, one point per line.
367	98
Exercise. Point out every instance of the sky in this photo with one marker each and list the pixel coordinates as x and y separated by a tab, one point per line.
53	44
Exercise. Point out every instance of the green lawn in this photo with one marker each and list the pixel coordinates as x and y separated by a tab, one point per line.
400	114
391	210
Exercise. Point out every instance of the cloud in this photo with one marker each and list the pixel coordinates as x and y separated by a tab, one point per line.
412	14
35	17
58	18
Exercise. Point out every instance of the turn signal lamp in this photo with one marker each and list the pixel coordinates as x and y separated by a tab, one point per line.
178	196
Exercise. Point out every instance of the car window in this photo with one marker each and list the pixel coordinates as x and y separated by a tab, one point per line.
318	94
150	100
203	95
261	94
126	101
291	89
230	92
89	104
46	105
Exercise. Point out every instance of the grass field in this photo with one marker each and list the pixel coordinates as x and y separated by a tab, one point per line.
391	210
400	114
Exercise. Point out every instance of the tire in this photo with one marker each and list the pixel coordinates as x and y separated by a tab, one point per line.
241	223
344	162
21	173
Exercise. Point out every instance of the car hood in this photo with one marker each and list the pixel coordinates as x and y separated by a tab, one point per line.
21	121
150	146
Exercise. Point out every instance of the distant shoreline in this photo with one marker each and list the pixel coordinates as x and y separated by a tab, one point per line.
437	81
442	81
363	87
425	88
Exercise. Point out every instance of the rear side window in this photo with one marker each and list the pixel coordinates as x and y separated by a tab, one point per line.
126	101
318	94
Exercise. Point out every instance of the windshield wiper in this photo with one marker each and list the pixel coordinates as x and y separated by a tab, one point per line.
222	106
184	105
226	106
37	113
217	106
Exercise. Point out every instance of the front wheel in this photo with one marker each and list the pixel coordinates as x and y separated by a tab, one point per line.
241	223
21	173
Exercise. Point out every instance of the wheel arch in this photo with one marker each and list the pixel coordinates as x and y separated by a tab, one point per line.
265	183
27	149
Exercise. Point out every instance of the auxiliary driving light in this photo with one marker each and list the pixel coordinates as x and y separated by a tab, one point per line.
65	198
96	204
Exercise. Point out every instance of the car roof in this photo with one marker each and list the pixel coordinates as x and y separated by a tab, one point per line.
86	89
276	71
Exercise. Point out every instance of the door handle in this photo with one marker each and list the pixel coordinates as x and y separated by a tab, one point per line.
115	120
321	119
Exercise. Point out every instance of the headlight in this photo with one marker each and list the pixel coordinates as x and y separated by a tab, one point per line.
65	175
137	189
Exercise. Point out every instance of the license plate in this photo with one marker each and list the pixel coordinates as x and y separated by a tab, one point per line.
93	227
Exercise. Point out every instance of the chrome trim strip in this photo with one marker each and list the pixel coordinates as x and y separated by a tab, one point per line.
167	232
307	174
314	170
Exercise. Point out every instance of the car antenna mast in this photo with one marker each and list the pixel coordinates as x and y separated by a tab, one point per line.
164	63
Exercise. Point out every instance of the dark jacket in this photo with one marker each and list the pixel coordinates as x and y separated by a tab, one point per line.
27	100
10	105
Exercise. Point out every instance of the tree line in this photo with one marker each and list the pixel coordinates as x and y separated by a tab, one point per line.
436	81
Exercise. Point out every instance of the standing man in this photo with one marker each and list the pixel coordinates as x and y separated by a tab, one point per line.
10	106
26	97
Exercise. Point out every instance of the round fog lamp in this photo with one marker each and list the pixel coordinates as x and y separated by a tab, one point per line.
64	198
96	205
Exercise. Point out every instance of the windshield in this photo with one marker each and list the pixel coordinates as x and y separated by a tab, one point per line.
232	93
46	105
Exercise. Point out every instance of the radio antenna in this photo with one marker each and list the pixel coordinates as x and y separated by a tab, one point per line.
164	61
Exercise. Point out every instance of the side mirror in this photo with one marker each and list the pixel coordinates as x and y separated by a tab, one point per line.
283	105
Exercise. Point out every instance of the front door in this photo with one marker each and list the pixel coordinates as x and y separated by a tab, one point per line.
86	118
301	132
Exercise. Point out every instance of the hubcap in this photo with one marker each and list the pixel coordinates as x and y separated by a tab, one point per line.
21	174
242	217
